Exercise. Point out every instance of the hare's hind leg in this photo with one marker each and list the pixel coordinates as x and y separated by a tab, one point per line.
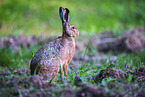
53	76
52	80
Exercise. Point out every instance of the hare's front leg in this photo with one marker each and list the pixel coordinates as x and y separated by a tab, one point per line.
66	69
61	72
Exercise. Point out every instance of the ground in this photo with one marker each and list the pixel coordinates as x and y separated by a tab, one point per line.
96	69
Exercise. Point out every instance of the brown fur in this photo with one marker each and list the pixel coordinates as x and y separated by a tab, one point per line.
58	53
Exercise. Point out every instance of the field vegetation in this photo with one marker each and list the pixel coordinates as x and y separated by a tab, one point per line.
26	25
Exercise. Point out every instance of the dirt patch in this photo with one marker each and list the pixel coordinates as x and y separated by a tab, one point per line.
140	93
122	87
13	84
67	92
139	75
130	41
91	91
15	42
139	72
111	72
22	71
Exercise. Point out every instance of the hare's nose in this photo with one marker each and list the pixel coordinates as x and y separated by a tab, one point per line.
77	33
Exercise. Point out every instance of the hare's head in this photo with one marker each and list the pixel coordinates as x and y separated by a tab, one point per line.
68	29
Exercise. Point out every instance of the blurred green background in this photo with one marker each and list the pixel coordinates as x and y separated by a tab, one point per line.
93	16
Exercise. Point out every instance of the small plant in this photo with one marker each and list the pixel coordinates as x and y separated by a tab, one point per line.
6	57
129	79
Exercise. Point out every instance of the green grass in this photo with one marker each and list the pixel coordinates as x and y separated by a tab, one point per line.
127	62
87	70
42	17
21	59
15	60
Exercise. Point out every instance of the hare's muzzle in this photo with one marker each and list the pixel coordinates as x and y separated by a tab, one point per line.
76	32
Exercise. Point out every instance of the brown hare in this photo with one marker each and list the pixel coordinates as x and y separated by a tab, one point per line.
58	53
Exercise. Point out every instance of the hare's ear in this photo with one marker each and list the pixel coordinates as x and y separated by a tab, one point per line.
61	9
66	15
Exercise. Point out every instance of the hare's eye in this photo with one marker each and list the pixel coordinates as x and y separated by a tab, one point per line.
73	27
